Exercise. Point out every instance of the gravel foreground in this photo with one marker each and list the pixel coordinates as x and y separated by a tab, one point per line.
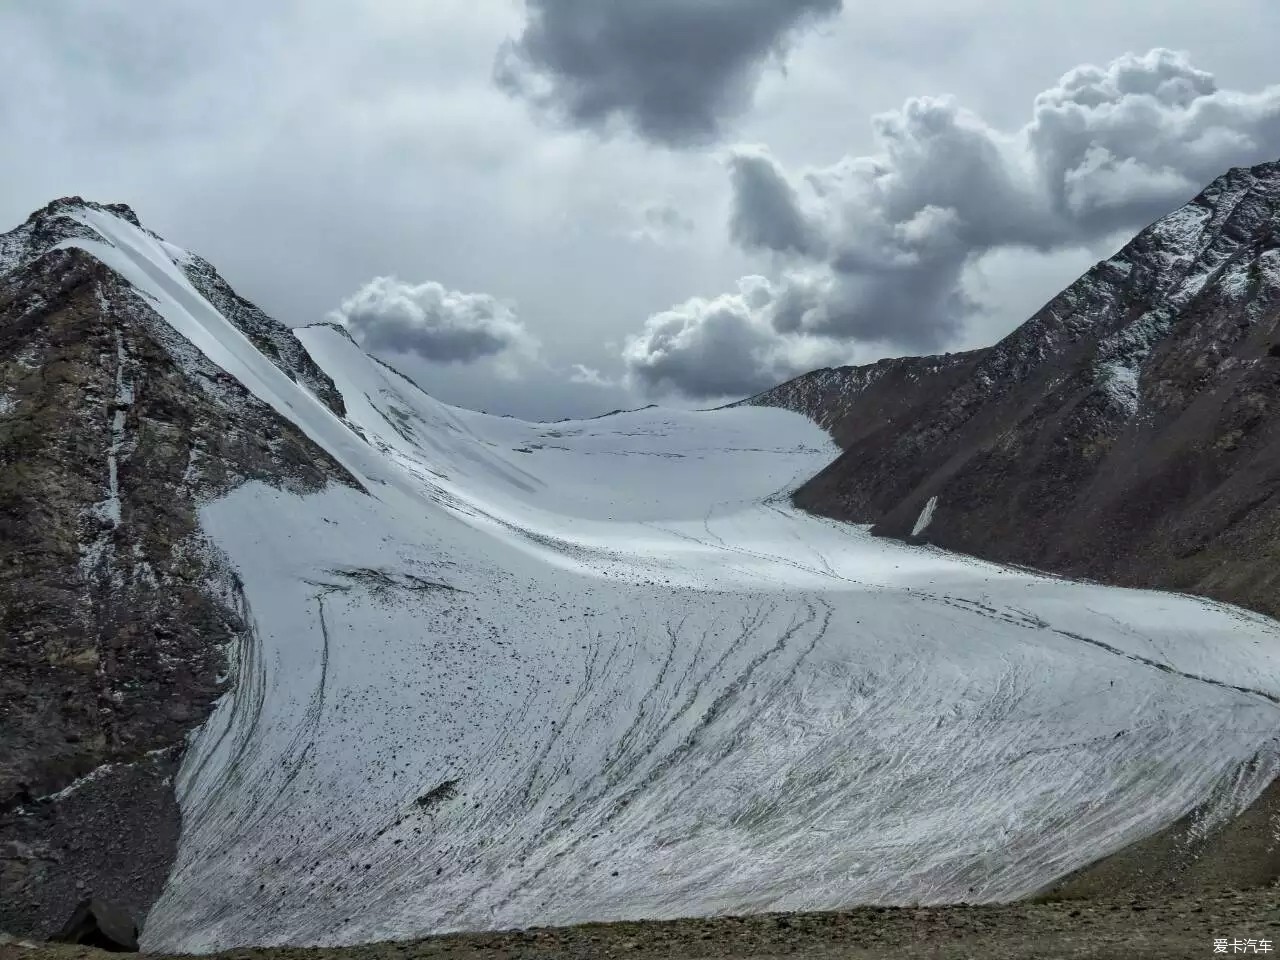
1181	925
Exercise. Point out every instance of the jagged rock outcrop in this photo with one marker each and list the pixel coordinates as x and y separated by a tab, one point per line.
275	341
116	615
101	924
1126	432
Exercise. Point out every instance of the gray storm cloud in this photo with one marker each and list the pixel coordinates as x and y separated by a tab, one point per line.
725	346
432	322
672	70
660	223
872	250
766	212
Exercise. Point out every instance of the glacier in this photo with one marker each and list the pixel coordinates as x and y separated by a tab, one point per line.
542	673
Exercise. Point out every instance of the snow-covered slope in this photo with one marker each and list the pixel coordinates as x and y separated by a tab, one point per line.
541	673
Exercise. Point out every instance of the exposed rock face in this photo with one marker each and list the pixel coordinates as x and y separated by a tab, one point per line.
853	402
276	342
98	923
116	616
1126	432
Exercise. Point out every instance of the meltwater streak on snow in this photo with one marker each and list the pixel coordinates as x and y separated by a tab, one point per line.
602	669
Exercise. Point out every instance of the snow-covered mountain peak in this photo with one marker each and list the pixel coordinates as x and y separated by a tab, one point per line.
113	234
71	204
51	225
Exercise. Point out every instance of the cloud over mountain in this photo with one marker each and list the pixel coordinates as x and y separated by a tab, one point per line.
432	322
724	346
872	250
672	70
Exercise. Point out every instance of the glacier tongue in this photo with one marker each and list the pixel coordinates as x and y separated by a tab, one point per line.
544	673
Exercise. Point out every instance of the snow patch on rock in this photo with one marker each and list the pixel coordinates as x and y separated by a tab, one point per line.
1120	383
925	518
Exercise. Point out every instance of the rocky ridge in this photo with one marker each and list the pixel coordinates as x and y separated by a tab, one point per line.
848	401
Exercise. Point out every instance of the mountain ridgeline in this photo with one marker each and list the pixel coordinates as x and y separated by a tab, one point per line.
1127	432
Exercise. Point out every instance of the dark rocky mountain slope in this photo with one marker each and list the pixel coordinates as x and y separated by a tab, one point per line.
115	612
1127	432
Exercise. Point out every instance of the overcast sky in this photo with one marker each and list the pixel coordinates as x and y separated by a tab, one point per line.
560	207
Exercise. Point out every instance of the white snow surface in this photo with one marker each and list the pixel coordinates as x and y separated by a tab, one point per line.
600	669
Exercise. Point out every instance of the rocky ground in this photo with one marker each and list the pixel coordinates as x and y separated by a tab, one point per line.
1180	925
